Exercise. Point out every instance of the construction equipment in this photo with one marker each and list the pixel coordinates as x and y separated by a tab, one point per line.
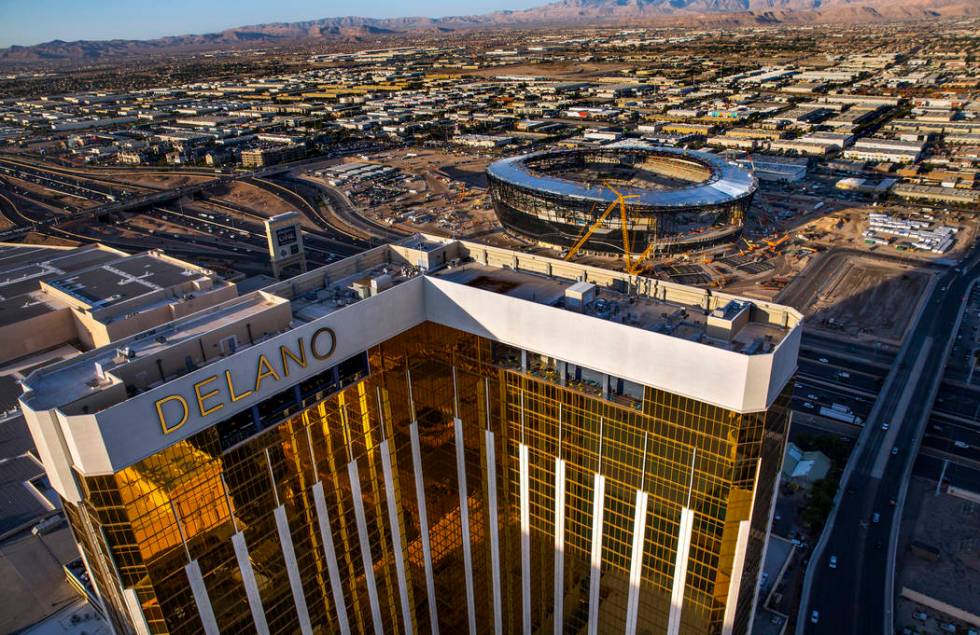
772	244
619	201
632	264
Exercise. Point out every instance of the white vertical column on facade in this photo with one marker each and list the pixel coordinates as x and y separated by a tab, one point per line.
396	535
430	585
494	529
734	586
464	509
639	535
598	496
636	561
326	536
524	484
680	571
193	571
204	610
464	521
595	564
245	568
333	569
559	582
362	537
738	562
525	504
289	554
248	579
292	570
135	612
683	552
559	599
765	541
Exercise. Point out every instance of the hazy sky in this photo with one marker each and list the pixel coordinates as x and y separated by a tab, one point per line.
28	22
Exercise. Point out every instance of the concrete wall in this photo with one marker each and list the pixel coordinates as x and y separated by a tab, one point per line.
36	334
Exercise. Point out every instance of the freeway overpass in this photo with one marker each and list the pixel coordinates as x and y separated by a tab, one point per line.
856	597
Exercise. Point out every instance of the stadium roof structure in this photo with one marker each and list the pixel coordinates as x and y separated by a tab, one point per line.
727	182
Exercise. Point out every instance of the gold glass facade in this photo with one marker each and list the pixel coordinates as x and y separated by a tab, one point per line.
140	527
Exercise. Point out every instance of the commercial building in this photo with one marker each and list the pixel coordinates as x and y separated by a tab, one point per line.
875	149
272	154
431	435
937	194
94	295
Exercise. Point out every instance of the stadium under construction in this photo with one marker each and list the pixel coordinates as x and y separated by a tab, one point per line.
670	199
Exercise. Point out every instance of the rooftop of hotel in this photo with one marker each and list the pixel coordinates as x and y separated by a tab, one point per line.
644	303
24	267
126	278
95	277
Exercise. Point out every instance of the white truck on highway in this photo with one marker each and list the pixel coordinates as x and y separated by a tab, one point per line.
840	415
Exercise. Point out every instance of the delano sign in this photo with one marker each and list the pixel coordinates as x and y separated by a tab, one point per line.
212	393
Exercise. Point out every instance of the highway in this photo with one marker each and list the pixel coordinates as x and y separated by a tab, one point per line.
851	598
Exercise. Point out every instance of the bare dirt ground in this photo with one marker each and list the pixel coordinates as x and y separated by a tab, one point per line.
34	238
252	197
55	196
858	296
844	229
450	187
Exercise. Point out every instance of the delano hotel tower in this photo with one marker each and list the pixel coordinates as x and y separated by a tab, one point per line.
432	436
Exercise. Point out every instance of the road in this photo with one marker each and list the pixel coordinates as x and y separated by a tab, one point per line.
851	597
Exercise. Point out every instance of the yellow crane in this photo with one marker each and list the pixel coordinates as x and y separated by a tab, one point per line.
619	201
638	263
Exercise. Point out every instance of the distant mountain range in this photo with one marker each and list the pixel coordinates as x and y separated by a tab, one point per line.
693	13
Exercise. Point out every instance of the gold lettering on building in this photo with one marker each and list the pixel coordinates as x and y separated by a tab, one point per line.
315	343
173	410
264	369
289	355
164	424
202	398
231	388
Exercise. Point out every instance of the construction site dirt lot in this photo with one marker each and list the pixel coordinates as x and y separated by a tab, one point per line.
844	228
857	295
252	197
450	193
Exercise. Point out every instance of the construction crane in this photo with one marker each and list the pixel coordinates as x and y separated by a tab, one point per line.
619	201
637	266
772	244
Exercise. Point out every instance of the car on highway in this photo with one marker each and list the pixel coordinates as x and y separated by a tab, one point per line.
813	397
876	518
833	562
884	426
807	404
823	360
814	616
894	451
